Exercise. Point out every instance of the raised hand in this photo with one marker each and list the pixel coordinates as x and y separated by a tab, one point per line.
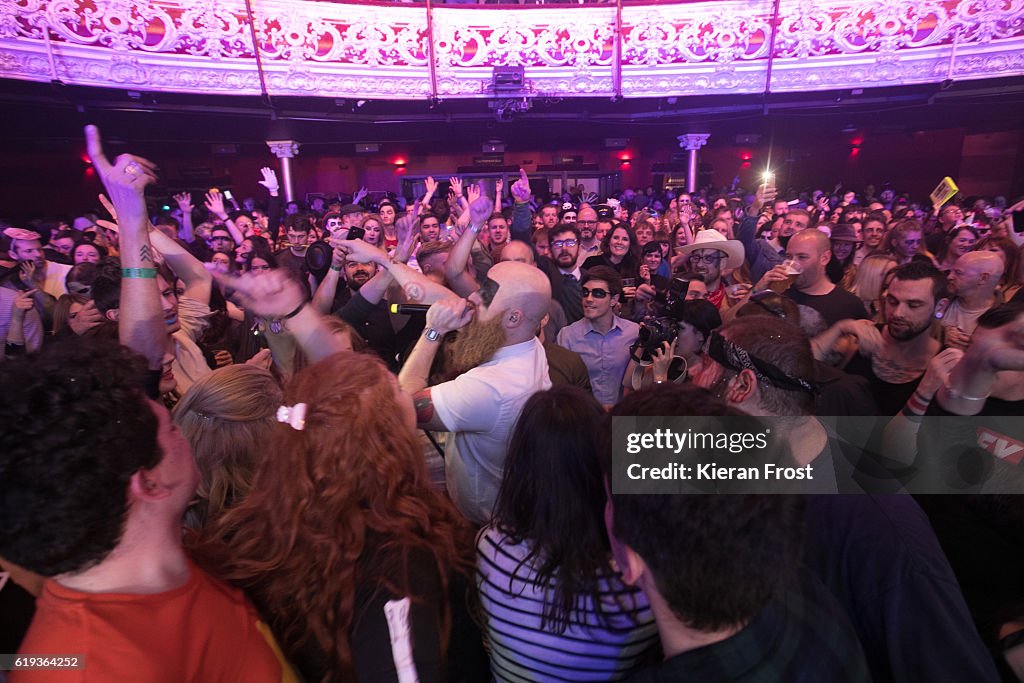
269	180
406	245
472	193
358	196
108	206
215	204
125	180
431	188
184	200
589	197
481	208
521	188
456	184
462	219
499	185
273	294
764	196
338	254
360	251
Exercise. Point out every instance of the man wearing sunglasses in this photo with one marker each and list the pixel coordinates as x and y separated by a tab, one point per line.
601	338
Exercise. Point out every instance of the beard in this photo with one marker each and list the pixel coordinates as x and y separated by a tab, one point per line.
474	344
784	240
905	331
357	281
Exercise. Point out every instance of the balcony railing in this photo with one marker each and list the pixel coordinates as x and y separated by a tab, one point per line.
424	49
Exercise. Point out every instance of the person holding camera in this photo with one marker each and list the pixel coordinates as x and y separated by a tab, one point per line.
670	345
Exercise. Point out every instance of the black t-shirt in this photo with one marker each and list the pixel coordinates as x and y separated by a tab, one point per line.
801	635
375	325
835	306
880	559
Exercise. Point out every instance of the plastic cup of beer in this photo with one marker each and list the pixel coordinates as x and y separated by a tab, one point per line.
792	269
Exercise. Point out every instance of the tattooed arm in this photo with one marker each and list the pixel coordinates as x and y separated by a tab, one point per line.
442	318
140	317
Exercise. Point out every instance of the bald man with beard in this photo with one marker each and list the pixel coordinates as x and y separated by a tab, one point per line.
497	363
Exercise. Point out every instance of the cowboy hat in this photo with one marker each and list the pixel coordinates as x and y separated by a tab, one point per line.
712	239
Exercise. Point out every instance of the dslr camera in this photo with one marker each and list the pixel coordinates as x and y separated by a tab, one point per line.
654	331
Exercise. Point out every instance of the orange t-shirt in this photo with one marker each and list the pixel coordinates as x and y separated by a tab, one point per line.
202	631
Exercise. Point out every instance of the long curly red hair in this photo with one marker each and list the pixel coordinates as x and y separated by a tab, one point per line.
298	543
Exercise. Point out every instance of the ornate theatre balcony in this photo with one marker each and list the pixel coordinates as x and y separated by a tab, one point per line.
421	50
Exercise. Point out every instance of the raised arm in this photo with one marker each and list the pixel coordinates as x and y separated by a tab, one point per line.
416	286
499	186
197	279
140	318
273	203
521	228
424	203
442	318
184	201
455	272
323	299
277	296
215	204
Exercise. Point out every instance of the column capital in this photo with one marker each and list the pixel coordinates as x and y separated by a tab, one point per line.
283	149
693	141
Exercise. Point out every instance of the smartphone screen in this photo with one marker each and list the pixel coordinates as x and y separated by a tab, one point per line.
355	234
1018	221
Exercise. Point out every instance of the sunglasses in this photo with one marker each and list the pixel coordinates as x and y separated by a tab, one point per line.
597	292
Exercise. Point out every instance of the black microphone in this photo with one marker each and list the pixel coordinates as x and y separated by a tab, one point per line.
409	309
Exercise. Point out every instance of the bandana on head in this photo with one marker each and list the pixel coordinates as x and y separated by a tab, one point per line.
737	358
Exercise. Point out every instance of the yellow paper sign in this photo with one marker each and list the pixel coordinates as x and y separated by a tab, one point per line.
944	192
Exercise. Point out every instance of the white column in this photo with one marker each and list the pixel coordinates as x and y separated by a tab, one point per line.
285	150
692	142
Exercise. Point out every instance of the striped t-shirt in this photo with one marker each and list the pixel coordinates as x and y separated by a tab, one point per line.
585	651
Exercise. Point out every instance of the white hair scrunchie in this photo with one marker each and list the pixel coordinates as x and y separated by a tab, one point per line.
293	416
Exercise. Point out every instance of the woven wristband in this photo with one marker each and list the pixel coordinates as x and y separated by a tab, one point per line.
139	273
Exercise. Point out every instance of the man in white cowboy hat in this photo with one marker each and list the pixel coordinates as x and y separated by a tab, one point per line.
710	255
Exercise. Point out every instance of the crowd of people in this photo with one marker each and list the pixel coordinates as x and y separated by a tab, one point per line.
263	441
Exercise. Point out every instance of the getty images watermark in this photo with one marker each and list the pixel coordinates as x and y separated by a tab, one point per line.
670	455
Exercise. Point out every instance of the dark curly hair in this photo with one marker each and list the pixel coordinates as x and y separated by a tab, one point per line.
74	427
